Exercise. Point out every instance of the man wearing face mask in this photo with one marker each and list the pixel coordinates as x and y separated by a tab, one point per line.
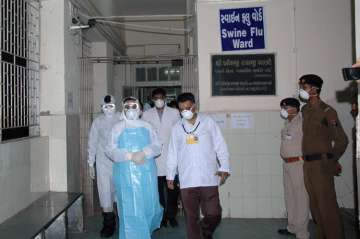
296	197
163	118
198	151
98	139
132	146
324	142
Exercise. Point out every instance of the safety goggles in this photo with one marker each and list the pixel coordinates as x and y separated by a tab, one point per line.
108	106
131	105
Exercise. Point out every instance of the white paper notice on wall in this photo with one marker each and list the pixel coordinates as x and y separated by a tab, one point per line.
220	119
243	120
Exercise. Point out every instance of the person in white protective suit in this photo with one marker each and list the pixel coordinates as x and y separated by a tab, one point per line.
98	138
133	145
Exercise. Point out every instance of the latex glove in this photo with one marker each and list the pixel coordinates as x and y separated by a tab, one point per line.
128	156
138	157
92	172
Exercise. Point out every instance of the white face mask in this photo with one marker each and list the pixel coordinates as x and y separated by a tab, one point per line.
109	109
187	114
132	114
304	95
284	114
159	103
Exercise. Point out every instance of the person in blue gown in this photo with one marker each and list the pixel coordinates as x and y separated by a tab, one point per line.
132	146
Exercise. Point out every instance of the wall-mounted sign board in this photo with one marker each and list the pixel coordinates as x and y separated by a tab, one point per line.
242	28
243	75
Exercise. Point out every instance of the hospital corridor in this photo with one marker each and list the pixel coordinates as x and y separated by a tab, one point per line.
179	119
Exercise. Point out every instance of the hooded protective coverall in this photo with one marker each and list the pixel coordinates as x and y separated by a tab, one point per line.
98	139
139	209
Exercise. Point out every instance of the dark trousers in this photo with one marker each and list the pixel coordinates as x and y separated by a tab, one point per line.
319	182
206	198
168	198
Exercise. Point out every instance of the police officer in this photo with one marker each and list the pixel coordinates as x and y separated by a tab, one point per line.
324	142
296	196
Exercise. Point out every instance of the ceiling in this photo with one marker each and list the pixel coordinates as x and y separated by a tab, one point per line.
139	7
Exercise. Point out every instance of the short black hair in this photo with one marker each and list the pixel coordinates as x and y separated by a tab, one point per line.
174	104
290	102
185	97
158	91
313	80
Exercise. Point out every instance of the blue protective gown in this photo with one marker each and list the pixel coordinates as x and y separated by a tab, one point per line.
137	194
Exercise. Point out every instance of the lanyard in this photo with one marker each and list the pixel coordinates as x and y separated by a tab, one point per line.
191	132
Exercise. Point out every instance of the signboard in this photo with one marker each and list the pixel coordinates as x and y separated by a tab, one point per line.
241	75
242	120
242	29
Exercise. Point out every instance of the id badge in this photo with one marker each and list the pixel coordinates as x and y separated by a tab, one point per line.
192	139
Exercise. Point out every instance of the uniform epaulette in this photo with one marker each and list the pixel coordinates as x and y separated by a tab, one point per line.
326	107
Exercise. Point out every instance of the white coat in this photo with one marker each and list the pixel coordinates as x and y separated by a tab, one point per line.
98	139
197	163
163	128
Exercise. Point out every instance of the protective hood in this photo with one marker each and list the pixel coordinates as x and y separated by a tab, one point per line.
131	111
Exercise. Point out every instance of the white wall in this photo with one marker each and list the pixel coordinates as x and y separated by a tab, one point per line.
279	40
53	93
24	174
60	83
306	40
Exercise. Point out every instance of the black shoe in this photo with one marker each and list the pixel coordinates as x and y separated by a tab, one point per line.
285	232
173	222
108	224
163	223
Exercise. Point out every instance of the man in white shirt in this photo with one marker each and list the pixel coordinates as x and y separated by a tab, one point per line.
198	151
163	118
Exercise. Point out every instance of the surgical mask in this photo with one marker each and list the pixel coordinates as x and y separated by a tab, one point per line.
109	109
159	103
304	95
132	114
187	114
284	114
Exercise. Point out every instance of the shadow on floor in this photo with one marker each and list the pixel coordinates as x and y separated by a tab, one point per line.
229	228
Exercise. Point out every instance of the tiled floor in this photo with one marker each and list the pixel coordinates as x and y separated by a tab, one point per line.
229	229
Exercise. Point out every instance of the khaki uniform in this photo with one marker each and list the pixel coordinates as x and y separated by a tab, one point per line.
296	196
324	142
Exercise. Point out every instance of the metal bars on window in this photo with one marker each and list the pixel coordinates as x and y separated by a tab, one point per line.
19	66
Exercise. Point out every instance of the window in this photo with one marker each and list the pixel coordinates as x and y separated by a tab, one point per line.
140	74
19	68
151	73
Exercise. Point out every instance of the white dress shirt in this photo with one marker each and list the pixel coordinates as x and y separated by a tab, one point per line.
197	163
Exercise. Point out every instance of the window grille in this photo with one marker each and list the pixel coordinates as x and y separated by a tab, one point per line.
19	68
